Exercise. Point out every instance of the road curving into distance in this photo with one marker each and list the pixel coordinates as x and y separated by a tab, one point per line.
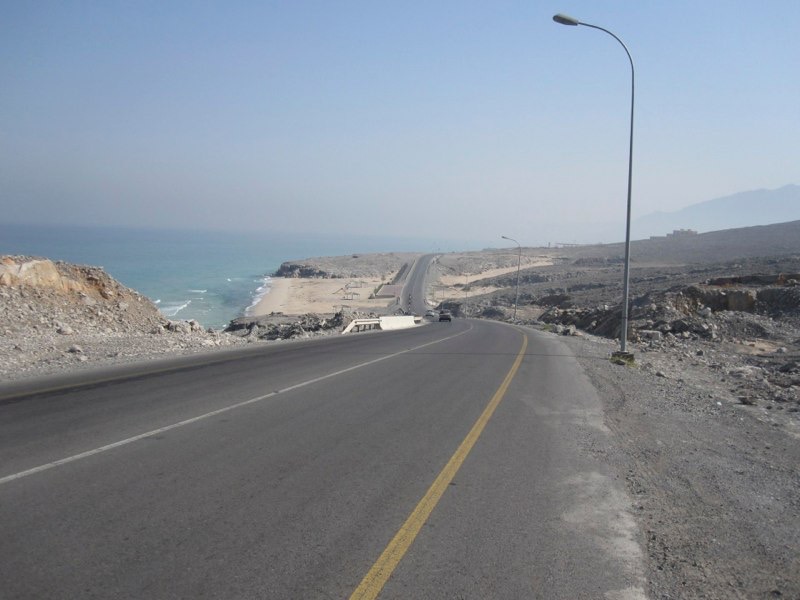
445	461
416	284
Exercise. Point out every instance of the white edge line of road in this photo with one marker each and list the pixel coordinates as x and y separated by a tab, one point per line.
130	440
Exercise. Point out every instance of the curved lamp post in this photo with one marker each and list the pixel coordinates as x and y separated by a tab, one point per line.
466	295
565	20
519	260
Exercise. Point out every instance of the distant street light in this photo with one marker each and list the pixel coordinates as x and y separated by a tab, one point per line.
466	294
519	261
565	20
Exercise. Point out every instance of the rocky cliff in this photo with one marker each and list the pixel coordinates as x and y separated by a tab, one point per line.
40	295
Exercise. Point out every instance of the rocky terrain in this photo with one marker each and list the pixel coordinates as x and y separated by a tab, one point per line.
57	316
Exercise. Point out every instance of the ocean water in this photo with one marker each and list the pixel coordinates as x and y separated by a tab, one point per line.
209	276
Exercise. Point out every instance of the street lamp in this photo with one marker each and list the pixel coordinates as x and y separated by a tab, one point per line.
466	294
519	260
565	20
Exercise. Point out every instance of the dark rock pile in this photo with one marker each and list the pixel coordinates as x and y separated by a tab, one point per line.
306	271
280	327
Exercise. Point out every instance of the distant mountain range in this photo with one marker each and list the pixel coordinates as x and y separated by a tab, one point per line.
745	209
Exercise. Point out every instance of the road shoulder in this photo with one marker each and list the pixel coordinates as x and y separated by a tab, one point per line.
715	484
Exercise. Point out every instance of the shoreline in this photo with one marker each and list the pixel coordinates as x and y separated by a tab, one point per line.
273	299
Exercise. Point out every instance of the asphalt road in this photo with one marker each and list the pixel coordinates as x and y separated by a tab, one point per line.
416	285
285	471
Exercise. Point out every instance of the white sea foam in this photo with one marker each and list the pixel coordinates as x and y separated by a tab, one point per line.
260	292
173	308
199	291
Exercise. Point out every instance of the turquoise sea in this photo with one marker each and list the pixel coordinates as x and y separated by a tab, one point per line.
209	276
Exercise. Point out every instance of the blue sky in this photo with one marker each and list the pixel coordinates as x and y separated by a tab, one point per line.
451	120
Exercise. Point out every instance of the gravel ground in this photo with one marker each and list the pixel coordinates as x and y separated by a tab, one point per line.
715	483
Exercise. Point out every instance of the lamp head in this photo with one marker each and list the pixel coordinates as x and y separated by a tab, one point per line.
565	20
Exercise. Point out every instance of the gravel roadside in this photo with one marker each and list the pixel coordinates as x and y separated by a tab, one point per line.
715	483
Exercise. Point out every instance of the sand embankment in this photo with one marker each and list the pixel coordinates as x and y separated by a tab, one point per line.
448	286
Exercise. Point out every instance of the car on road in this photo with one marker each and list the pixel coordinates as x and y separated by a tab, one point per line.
445	316
430	313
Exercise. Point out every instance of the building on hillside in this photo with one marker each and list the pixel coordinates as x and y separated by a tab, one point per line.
676	234
680	233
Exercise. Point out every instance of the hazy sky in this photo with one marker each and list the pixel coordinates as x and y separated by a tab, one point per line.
452	120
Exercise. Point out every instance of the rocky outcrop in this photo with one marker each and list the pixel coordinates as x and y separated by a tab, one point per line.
723	299
40	295
688	312
747	335
61	277
34	272
293	269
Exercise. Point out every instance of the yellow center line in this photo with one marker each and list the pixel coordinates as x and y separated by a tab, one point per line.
379	574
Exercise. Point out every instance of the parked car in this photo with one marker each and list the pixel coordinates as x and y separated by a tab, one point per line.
445	316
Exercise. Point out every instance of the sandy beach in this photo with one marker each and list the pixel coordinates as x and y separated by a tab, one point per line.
298	296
